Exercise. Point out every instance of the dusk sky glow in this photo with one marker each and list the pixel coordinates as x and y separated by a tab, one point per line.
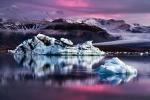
129	10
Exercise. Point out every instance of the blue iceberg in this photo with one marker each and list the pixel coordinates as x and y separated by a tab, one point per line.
115	66
42	44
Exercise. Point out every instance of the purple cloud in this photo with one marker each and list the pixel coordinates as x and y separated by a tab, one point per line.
67	8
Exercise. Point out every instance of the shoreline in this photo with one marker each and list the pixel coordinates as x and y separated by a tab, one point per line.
109	49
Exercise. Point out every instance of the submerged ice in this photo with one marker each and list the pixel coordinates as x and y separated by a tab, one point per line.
116	66
42	44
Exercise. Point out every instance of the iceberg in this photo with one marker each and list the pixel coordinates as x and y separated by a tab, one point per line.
42	44
116	66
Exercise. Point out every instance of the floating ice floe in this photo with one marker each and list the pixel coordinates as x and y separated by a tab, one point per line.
116	66
42	44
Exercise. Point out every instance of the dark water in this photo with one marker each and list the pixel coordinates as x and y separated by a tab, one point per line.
70	78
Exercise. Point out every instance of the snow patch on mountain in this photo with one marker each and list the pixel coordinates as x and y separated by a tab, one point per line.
110	25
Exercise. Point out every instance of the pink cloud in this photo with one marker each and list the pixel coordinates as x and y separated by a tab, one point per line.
73	3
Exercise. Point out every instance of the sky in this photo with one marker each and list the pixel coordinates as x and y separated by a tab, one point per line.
133	11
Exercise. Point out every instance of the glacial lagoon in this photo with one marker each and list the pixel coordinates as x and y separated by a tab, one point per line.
44	77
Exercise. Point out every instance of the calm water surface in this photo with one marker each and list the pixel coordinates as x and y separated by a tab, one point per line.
70	78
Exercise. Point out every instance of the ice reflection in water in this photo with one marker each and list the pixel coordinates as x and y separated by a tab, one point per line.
66	71
58	65
116	79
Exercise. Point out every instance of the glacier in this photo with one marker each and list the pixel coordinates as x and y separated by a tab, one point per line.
42	44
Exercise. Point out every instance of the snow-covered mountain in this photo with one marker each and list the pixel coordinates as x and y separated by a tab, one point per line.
140	29
17	31
110	25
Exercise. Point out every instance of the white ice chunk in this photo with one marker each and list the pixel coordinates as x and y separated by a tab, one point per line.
42	44
66	41
116	66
